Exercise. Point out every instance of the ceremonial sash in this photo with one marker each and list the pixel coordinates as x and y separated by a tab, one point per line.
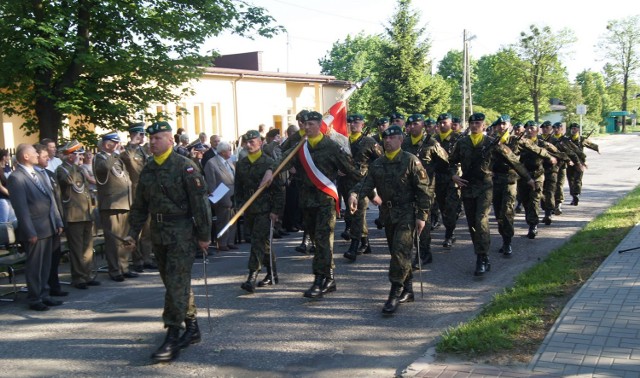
318	178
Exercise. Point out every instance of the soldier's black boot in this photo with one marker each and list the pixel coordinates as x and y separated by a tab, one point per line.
315	291
425	258
329	284
576	199
191	334
482	265
558	209
547	217
449	238
250	285
272	273
365	248
379	224
304	246
346	234
407	291
170	349
392	303
506	247
533	231
352	252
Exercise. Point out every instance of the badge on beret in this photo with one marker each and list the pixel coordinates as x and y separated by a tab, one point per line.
476	117
382	121
530	123
312	116
430	121
396	116
444	116
415	118
357	117
557	125
393	130
251	134
158	127
503	119
574	125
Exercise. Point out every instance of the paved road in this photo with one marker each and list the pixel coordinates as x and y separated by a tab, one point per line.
111	330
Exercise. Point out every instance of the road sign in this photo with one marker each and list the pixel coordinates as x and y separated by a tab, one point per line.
581	109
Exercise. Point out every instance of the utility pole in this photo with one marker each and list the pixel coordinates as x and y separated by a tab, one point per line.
466	78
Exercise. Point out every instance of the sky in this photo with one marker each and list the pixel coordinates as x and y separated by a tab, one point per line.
314	25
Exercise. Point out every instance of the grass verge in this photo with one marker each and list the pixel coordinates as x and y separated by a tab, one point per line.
519	318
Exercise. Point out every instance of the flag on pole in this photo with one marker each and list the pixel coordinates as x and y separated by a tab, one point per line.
338	116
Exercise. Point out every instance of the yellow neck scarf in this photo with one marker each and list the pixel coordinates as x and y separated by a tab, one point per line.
575	137
254	156
505	137
444	136
557	135
476	138
162	157
534	139
391	155
302	132
415	140
353	137
314	141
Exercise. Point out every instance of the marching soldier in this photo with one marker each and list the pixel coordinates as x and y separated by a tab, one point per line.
428	151
446	193
172	192
76	212
382	123
364	151
114	202
456	125
134	157
317	164
397	119
262	213
574	174
403	194
476	154
575	154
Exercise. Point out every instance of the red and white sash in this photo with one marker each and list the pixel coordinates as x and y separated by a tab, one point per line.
318	178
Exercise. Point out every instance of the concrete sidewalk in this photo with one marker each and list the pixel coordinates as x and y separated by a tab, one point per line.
596	335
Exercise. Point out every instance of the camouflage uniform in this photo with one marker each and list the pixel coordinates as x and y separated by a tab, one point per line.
403	186
429	152
577	158
271	200
446	191
174	196
574	174
134	158
565	154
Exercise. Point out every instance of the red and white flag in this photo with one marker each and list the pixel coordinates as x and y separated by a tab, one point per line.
338	116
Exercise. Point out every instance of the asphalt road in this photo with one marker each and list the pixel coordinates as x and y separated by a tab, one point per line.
112	329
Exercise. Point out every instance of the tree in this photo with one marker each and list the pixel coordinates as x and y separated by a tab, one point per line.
450	69
620	46
104	61
540	52
355	59
594	95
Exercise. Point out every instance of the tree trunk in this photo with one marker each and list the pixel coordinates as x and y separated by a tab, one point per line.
49	119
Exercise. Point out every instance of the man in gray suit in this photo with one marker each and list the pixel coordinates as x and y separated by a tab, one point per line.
220	171
38	221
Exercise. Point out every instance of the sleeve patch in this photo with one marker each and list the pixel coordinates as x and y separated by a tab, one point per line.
190	170
197	182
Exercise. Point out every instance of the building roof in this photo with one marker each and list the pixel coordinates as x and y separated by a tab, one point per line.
302	78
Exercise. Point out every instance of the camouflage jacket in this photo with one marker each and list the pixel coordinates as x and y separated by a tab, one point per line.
174	195
248	177
442	167
582	142
533	161
401	183
563	144
518	146
428	151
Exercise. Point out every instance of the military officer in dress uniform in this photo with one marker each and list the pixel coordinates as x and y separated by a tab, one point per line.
76	213
574	174
262	213
114	201
173	193
403	194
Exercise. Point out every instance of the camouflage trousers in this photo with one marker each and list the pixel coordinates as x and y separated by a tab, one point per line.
259	224
574	176
174	264
142	254
549	188
320	223
400	242
531	199
358	226
477	210
562	177
448	199
504	200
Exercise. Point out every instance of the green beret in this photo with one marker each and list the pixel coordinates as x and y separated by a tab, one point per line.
251	134
455	120
415	118
476	117
545	124
395	115
158	127
531	123
518	124
393	130
300	115
574	125
557	125
503	119
382	120
430	121
357	117
312	116
444	116
137	127
349	119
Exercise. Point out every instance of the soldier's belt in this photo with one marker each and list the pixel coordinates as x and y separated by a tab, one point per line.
169	217
390	204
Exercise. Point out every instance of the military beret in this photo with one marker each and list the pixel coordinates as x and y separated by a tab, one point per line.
545	124
251	134
158	127
357	117
503	119
444	116
137	127
111	135
393	130
349	119
476	117
494	123
429	121
518	124
415	118
395	115
312	116
300	115
455	120
382	120
531	123
557	124
72	147
574	125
